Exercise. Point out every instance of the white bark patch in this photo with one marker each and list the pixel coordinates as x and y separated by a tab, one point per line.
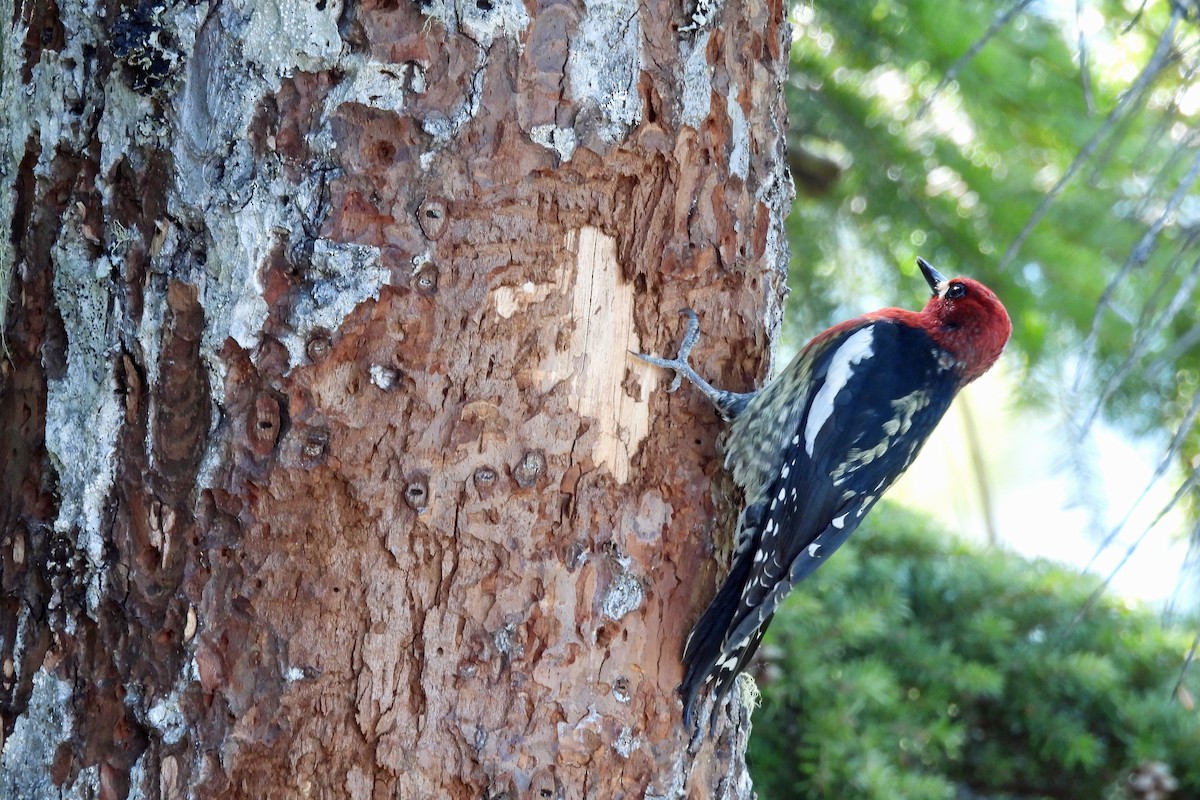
597	357
697	81
83	414
292	34
377	84
342	275
166	715
14	129
850	352
606	63
776	193
28	755
624	595
250	208
383	376
561	140
626	742
482	22
47	106
739	155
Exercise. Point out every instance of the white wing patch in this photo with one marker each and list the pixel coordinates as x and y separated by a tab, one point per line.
852	351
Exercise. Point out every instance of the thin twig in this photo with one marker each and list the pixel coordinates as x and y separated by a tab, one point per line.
1180	493
1085	75
1137	15
979	468
1164	463
1185	572
1180	346
1187	662
1153	139
1137	256
998	23
1147	334
1137	90
1079	462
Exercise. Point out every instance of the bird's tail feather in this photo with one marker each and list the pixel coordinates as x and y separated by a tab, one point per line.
704	654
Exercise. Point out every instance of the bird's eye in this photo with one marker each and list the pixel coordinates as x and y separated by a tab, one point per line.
955	291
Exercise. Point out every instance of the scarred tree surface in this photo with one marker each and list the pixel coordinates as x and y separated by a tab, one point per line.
323	468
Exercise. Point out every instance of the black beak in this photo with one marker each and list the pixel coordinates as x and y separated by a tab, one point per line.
932	276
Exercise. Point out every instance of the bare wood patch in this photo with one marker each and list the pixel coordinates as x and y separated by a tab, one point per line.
596	354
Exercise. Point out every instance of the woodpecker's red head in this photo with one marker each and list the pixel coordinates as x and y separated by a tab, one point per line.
967	319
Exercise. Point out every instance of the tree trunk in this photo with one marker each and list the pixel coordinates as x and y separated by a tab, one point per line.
325	471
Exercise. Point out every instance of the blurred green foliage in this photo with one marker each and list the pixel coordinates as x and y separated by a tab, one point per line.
879	183
913	667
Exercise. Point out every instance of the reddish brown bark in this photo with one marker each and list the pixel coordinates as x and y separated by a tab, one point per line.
446	541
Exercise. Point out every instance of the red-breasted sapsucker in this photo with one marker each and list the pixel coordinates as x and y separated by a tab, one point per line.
814	450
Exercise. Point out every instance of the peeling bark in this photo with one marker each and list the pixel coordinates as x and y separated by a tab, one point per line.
323	468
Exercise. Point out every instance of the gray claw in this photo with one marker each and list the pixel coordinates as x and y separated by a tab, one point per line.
691	335
729	404
665	363
679	364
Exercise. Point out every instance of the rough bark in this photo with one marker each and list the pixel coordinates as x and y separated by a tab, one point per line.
325	471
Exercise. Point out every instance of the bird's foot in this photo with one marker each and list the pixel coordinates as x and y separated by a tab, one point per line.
680	362
729	404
